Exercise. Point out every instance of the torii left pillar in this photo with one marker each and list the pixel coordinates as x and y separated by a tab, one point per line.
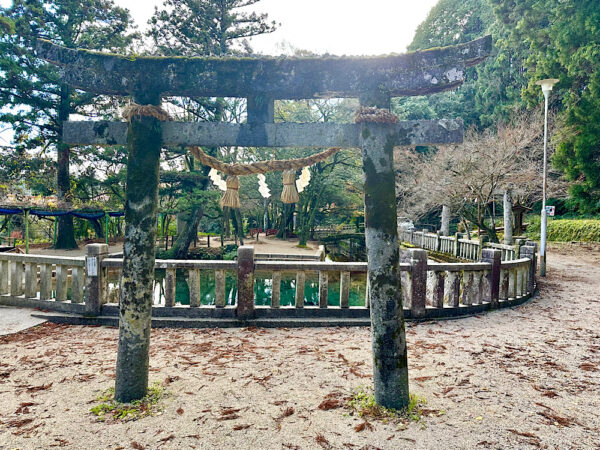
144	138
388	337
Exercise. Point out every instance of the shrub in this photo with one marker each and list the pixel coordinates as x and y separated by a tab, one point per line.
566	230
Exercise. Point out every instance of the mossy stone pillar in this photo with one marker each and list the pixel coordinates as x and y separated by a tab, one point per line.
508	220
445	229
390	367
144	136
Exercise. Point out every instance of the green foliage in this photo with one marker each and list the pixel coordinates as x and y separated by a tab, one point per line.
7	26
363	403
563	41
31	94
206	27
149	405
492	89
34	103
566	230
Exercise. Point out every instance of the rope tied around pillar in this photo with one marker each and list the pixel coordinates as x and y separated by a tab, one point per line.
369	114
135	111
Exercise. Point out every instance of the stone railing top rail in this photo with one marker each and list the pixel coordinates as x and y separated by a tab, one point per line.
500	246
458	267
178	264
515	263
418	73
43	259
469	241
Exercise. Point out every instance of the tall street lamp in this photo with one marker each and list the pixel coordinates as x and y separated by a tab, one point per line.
546	85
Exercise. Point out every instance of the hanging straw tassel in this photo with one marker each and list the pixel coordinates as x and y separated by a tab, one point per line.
231	198
289	194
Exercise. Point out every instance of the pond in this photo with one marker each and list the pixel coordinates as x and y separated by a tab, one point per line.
262	288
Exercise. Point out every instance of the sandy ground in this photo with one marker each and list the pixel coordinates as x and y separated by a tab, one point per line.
522	378
265	245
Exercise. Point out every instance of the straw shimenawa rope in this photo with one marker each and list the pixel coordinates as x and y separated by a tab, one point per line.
289	193
261	166
231	198
138	111
374	115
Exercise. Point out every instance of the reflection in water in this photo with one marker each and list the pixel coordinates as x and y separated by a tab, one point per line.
262	288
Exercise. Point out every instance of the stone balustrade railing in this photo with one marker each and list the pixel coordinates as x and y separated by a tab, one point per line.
429	289
47	278
456	246
333	230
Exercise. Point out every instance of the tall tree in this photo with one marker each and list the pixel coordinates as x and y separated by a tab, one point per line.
204	27
33	101
563	41
492	91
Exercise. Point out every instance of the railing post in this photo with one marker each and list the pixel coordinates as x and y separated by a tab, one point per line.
519	243
95	291
529	251
438	241
344	289
424	238
299	295
456	244
245	283
418	282
30	280
170	285
194	285
494	257
276	290
482	241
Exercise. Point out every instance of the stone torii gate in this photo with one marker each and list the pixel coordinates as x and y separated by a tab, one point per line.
374	80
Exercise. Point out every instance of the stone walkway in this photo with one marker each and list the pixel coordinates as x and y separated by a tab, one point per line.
265	245
13	320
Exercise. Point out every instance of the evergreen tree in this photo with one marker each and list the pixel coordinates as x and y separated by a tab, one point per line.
563	41
492	90
33	101
204	27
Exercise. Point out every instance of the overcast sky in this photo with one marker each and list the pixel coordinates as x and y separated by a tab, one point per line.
350	27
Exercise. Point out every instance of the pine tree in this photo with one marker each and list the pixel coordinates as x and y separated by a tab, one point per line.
204	27
33	101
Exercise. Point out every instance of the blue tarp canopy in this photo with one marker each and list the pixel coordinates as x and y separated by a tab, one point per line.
56	213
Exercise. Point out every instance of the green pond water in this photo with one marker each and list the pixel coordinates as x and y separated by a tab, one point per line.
262	288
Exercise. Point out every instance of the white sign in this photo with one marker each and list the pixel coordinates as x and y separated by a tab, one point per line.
92	267
550	210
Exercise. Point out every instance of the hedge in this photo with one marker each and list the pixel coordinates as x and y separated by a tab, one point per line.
566	230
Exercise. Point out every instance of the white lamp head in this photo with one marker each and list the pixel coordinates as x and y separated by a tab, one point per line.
547	84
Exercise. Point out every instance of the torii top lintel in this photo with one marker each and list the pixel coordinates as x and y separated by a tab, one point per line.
418	73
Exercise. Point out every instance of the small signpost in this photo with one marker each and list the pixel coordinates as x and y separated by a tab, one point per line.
550	210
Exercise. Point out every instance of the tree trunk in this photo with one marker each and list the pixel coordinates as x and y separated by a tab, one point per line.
187	235
144	137
97	228
65	237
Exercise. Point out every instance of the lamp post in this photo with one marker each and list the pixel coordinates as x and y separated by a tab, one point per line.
546	85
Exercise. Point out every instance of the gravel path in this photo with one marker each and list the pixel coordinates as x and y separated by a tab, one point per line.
522	378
